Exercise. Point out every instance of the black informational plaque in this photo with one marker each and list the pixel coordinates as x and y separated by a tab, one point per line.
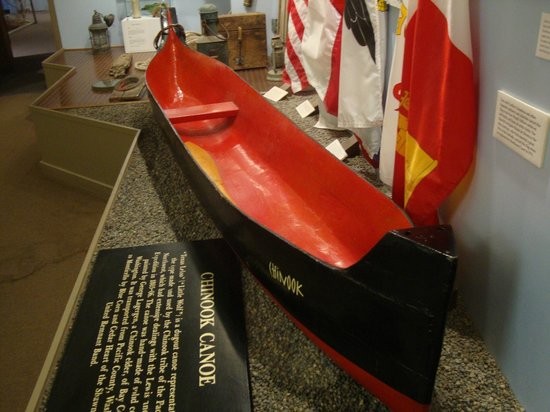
160	328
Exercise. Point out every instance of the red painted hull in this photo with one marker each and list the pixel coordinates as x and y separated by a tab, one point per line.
339	256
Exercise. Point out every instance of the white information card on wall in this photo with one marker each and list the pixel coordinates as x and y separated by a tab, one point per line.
521	127
543	44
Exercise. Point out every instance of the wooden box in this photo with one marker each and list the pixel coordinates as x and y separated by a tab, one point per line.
246	39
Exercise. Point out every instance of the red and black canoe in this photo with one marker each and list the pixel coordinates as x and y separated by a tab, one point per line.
341	259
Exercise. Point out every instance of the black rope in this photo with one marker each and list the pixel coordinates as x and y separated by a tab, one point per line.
215	34
178	29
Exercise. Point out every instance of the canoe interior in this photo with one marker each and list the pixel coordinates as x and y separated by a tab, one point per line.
337	255
262	163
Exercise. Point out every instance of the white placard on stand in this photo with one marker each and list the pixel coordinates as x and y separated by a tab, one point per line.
139	34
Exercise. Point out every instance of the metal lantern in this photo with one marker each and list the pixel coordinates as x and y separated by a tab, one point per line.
99	37
277	53
277	59
210	42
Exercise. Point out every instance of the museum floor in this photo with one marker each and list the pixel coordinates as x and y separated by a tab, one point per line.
45	231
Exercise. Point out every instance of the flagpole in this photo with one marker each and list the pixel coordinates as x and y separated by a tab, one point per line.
283	20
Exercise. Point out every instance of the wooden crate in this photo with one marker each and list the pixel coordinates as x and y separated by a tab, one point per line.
247	39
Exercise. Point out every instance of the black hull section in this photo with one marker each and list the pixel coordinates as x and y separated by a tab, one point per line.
382	319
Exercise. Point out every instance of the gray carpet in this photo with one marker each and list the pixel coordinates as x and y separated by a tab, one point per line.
288	373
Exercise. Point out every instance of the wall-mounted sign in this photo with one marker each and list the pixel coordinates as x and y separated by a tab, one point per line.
521	127
543	45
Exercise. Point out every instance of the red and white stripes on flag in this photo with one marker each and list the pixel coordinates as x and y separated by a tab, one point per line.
294	72
436	129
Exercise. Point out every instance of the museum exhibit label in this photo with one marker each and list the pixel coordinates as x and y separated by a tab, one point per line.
160	327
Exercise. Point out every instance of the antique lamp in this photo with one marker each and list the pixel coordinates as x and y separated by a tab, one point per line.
277	54
210	42
99	37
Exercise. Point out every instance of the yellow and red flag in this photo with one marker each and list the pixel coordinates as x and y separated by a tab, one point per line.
437	111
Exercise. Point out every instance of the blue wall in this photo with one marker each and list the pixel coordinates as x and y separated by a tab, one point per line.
188	11
74	16
501	217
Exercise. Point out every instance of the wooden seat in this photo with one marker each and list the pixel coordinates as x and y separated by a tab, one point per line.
201	112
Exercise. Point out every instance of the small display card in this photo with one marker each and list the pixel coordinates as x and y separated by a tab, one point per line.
275	94
521	127
543	45
336	148
305	109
